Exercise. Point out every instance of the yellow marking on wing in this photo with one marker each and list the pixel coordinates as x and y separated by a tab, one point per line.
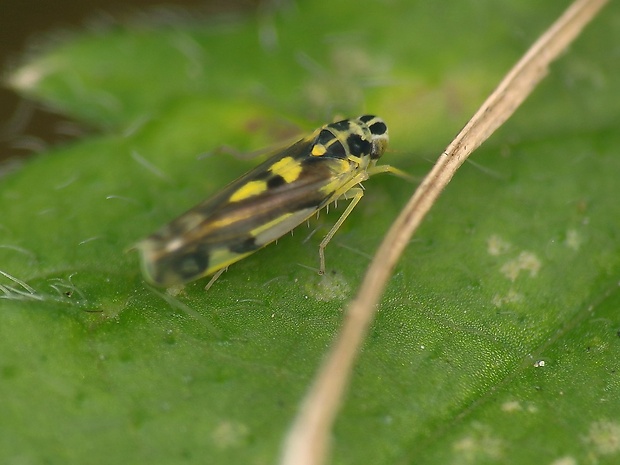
227	221
264	227
250	189
318	150
288	168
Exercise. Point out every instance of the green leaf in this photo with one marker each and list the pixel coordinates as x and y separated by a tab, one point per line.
497	339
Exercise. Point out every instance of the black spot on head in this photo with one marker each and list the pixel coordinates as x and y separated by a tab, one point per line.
378	128
246	245
357	145
275	181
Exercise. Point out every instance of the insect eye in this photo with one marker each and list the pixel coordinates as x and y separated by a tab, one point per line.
379	144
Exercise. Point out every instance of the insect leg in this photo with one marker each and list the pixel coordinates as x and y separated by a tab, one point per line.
357	194
217	274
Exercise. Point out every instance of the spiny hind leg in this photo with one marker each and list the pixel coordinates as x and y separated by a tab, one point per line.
355	194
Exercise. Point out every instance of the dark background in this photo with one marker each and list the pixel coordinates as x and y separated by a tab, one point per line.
26	127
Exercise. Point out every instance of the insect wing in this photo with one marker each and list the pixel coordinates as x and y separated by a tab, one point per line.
249	213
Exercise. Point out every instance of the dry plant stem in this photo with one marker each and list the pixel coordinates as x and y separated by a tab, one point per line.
308	439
